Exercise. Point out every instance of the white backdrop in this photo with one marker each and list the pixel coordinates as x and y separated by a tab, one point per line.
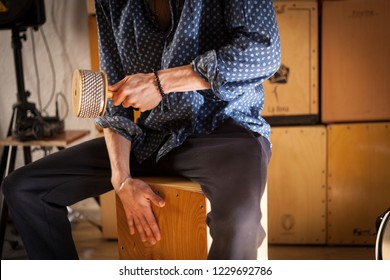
66	33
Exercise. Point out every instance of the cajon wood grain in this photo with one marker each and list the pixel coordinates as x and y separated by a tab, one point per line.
182	224
358	181
181	221
292	93
297	185
355	61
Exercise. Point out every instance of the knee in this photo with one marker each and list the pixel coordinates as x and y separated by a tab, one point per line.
236	238
235	221
12	187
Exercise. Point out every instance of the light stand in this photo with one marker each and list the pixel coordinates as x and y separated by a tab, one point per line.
22	110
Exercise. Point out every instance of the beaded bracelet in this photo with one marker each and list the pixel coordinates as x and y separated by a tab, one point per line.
122	185
160	89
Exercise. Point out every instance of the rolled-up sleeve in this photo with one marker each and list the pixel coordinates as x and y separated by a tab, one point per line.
116	117
252	55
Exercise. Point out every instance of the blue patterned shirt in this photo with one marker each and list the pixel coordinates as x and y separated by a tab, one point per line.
232	44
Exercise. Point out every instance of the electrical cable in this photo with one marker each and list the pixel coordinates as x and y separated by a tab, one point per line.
36	70
55	8
52	70
66	105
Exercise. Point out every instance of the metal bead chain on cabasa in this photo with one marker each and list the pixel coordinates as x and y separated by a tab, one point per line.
89	93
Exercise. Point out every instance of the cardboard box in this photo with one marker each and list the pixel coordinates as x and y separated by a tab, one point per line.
355	61
358	181
297	186
291	95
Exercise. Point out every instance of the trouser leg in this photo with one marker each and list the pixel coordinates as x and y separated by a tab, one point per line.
38	194
231	166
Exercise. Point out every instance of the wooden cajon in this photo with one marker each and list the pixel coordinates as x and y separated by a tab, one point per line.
184	232
355	61
297	185
292	94
358	181
181	220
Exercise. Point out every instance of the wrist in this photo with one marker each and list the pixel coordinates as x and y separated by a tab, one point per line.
117	180
122	184
180	79
158	83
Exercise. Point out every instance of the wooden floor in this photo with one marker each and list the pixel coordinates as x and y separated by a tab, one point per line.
92	246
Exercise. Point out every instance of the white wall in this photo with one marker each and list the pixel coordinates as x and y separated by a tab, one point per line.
66	32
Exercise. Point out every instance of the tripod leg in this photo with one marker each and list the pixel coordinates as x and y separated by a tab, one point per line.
7	166
27	154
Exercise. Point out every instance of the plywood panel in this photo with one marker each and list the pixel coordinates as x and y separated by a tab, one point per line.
108	215
355	61
293	90
358	180
296	186
182	225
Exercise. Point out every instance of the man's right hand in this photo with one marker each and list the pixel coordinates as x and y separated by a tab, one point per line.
136	197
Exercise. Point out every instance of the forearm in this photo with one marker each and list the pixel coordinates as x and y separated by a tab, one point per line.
180	79
135	195
119	153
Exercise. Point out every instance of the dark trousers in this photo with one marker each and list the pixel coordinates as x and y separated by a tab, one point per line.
230	164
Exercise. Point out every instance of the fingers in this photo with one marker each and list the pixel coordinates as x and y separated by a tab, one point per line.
146	227
143	231
149	223
137	91
121	98
118	85
137	197
120	95
148	230
155	199
128	102
154	230
130	223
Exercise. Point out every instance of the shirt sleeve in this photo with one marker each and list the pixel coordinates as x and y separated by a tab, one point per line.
251	57
116	117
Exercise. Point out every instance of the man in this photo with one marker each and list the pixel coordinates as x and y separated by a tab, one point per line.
194	69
